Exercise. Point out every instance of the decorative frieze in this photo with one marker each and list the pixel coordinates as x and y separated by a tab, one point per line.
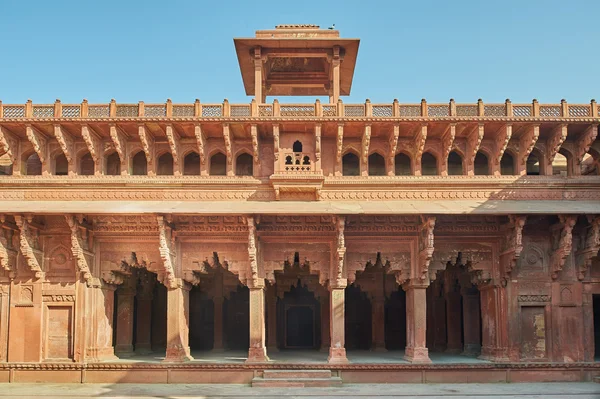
125	224
534	298
58	298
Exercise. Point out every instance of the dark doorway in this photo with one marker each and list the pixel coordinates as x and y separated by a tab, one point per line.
201	320
237	319
596	304
299	312
357	318
395	320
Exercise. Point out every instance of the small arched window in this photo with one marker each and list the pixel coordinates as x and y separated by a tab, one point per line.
165	165
376	165
481	164
113	164
402	165
139	164
297	146
61	165
244	165
86	165
191	164
507	165
350	165
560	165
428	165
6	166
306	160
218	164
533	164
455	164
288	160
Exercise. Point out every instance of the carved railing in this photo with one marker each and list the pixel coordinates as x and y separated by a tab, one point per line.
297	162
314	110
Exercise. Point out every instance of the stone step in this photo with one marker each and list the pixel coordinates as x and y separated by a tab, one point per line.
296	382
279	374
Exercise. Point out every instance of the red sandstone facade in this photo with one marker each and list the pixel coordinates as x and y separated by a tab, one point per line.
136	229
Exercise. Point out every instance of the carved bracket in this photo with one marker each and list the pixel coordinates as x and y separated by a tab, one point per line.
9	143
555	141
527	142
503	136
79	248
425	248
201	140
28	239
227	140
276	142
8	254
173	138
419	140
118	138
366	142
584	142
448	140
394	144
339	143
167	253
318	141
254	137
38	140
92	141
563	238
590	248
147	142
474	142
65	141
513	245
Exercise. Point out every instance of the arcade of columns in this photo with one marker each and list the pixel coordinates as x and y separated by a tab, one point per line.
60	275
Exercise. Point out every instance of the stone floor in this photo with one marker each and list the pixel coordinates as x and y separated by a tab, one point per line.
423	391
308	356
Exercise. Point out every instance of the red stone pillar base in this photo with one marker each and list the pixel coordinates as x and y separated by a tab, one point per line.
416	320
337	355
257	353
178	305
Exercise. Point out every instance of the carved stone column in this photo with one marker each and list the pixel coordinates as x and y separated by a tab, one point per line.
143	336
471	322
325	338
4	311
272	319
416	320
257	352
101	307
218	324
178	311
378	323
124	341
337	350
494	328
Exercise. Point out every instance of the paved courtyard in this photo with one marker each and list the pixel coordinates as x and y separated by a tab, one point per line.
421	391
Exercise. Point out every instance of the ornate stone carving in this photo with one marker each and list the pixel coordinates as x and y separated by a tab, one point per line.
173	139
254	280
79	248
555	141
92	141
503	136
201	141
254	137
590	248
125	224
474	142
448	140
563	243
318	141
425	248
9	143
65	141
527	142
513	244
147	142
534	298
113	277
480	278
276	142
382	224
584	142
340	253
393	143
8	254
28	239
296	224
366	142
38	140
167	253
339	143
118	138
419	140
58	298
227	140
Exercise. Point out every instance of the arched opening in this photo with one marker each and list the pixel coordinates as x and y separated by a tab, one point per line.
165	165
6	166
33	165
297	146
61	165
113	164
533	164
376	165
202	320
237	319
86	165
395	320
218	164
191	164
455	164
350	165
402	165
560	165
357	318
481	164
590	164
139	164
428	165
507	165
299	312
244	165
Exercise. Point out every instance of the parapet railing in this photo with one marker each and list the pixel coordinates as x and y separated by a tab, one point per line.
274	110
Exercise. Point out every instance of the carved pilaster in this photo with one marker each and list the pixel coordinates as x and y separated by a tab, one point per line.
425	248
167	252
337	277
79	248
29	241
590	248
563	243
513	244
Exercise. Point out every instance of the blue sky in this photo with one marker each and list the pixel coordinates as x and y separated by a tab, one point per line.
153	50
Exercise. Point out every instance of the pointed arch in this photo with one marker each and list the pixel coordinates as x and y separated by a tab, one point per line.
403	164
481	164
507	163
191	164
139	164
350	164
455	163
112	164
429	164
165	164
376	164
534	164
244	164
218	164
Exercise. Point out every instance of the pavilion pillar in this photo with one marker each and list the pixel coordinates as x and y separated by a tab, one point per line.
271	319
471	322
4	311
337	350
494	330
453	322
416	320
378	323
100	306
258	76
178	311
325	341
124	341
257	352
335	65
218	324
